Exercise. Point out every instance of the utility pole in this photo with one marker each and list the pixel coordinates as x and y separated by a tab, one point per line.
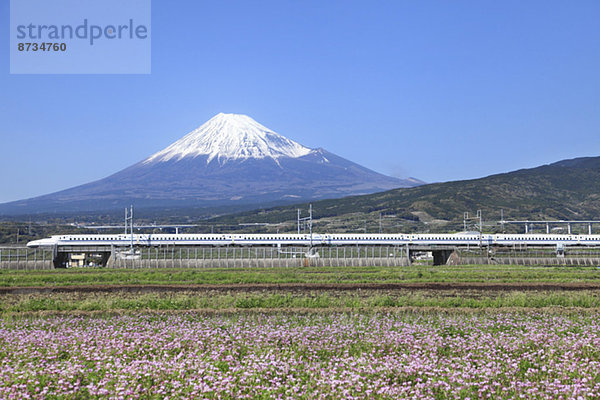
478	223
126	219
129	220
380	227
480	226
310	224
305	221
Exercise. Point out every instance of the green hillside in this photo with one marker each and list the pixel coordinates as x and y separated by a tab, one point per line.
565	190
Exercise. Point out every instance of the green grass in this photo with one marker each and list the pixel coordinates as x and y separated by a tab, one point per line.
372	300
411	274
274	298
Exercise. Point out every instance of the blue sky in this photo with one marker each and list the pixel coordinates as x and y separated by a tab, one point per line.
437	90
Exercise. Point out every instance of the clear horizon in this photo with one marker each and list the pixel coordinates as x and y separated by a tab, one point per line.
434	91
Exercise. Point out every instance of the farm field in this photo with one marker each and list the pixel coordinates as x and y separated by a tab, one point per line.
385	355
277	300
341	333
310	275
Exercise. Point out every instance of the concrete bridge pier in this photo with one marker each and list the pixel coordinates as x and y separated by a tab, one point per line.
441	257
105	256
60	259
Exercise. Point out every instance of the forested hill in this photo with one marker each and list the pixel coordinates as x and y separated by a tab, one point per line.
568	189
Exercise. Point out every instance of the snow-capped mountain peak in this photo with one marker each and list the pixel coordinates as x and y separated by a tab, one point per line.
251	166
231	136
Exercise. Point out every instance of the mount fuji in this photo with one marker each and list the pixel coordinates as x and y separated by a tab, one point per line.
230	160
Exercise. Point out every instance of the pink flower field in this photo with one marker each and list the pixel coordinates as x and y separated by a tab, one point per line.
345	356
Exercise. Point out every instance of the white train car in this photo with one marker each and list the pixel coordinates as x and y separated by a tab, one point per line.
345	239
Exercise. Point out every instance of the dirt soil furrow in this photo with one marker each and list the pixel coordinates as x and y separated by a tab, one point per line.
300	287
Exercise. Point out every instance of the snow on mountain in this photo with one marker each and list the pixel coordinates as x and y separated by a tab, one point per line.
231	161
231	136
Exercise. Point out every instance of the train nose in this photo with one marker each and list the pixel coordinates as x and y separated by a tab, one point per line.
42	243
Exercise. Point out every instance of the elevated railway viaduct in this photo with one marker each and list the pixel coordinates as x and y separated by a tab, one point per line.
229	250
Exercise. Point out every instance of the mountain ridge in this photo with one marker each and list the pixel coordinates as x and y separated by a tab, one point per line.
567	190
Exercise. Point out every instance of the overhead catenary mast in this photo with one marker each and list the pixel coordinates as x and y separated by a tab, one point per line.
129	222
304	220
310	224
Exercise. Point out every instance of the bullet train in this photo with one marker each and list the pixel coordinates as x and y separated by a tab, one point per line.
317	239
